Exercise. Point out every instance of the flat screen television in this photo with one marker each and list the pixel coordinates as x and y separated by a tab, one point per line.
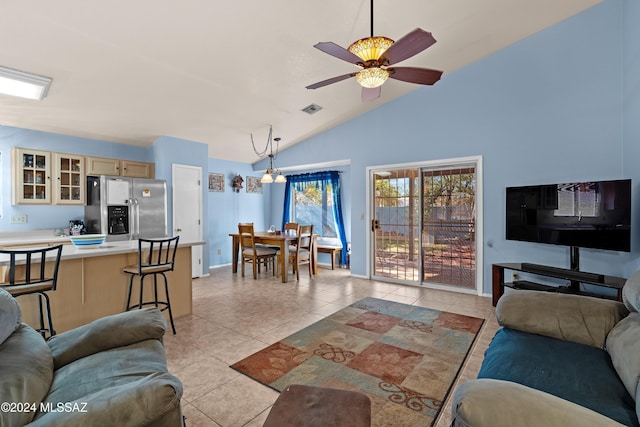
591	214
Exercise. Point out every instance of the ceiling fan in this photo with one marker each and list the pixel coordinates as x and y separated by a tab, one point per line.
376	55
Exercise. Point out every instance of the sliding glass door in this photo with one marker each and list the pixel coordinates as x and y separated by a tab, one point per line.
448	226
396	224
424	224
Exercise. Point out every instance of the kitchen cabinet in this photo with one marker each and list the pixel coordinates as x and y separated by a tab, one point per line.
43	177
31	176
115	167
69	179
137	169
102	166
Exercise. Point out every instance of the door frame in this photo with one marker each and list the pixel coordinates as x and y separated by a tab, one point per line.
196	250
442	163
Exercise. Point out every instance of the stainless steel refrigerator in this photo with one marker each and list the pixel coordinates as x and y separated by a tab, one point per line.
126	208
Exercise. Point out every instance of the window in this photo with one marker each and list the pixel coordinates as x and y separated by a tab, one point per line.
314	198
314	205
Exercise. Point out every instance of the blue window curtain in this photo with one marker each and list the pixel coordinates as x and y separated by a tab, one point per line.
320	180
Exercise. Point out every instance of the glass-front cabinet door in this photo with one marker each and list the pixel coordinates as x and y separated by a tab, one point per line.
32	183
69	182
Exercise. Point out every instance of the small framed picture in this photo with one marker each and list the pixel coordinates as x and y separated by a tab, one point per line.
254	185
216	182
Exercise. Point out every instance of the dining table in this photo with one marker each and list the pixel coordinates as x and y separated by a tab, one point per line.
279	239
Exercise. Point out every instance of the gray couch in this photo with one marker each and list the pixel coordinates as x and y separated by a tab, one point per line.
111	372
558	360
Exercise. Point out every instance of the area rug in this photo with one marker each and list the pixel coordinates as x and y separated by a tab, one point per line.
405	358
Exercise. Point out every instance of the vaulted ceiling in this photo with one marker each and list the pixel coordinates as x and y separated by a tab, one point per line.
216	71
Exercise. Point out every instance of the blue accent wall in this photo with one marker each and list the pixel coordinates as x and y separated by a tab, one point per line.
228	208
631	117
546	109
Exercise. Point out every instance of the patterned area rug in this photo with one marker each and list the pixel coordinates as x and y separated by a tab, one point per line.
405	358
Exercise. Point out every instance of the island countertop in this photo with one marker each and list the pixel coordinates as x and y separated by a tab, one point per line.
92	284
71	252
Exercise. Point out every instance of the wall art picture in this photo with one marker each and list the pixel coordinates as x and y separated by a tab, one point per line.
216	182
254	185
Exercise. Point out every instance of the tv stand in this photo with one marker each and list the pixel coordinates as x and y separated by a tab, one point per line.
573	276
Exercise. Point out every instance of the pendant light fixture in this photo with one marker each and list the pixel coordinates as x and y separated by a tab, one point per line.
267	178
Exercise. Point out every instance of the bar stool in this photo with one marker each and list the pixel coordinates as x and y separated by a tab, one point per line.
155	256
35	280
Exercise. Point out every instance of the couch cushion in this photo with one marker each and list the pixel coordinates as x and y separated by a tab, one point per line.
106	333
106	369
26	370
631	292
10	315
623	345
576	372
568	317
153	400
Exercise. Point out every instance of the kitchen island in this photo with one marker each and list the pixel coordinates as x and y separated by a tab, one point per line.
91	283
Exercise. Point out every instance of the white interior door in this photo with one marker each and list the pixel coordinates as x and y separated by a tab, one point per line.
187	210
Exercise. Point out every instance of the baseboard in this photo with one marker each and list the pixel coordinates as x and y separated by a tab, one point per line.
219	266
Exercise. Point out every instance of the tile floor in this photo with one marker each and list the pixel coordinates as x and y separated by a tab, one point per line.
235	317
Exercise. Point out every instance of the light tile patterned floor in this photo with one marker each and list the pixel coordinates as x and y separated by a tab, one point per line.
235	317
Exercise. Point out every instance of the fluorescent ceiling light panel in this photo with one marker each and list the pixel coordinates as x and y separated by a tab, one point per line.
24	85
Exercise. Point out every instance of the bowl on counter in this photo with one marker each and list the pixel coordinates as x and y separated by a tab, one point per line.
86	241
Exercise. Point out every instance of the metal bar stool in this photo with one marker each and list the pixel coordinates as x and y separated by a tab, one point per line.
155	256
35	280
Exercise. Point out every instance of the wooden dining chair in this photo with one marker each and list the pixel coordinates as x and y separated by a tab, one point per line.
252	253
289	228
305	240
300	251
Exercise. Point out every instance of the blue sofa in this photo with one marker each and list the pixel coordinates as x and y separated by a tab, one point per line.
558	360
111	372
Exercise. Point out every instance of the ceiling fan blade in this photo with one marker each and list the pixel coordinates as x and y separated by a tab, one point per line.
338	51
414	42
331	80
369	94
421	76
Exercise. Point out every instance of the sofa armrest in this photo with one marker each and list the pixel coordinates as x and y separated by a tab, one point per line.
497	403
108	332
576	318
150	401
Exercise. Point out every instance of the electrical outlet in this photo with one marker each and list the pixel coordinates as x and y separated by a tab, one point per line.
219	251
18	219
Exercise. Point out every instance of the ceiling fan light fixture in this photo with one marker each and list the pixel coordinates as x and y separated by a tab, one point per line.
372	77
370	48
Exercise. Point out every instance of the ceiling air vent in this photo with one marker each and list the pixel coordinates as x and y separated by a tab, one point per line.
312	109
